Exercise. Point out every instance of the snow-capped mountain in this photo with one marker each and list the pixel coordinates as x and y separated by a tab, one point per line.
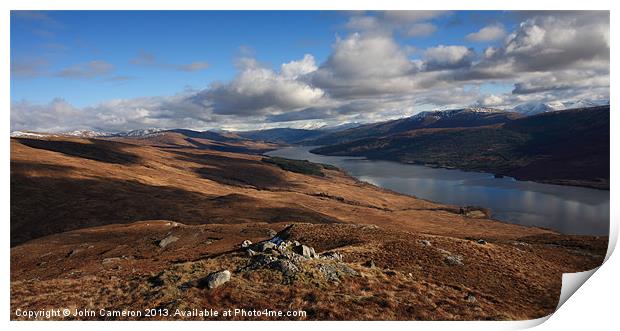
86	133
533	108
140	132
26	134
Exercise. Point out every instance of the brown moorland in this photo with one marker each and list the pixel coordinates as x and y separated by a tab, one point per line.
88	217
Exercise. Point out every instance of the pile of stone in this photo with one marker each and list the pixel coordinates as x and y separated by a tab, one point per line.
289	257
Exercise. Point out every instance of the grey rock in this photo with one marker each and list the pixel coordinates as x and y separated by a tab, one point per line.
167	241
332	256
481	242
216	279
246	244
265	246
470	298
259	261
305	251
333	272
425	242
453	260
250	252
286	267
110	260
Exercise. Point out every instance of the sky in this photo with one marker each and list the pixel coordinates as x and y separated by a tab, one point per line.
239	70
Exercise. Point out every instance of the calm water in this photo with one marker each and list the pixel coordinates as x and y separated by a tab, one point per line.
567	209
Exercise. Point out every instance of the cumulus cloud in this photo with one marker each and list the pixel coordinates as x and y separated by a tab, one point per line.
115	115
365	64
488	33
446	57
258	90
369	75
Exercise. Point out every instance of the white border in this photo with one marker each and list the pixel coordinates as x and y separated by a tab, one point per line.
593	305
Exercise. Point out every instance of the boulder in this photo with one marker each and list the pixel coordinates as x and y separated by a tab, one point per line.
167	241
265	246
332	256
216	279
453	260
305	251
286	267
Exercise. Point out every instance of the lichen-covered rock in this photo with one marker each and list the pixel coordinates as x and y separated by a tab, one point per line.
305	251
286	267
453	260
167	241
332	256
216	279
265	246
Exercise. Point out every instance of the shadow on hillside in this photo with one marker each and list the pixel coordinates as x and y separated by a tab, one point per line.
227	148
97	150
54	203
236	171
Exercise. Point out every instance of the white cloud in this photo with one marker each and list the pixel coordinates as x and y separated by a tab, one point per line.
368	76
258	90
442	57
488	33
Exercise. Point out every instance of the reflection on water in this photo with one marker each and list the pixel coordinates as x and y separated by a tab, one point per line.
567	209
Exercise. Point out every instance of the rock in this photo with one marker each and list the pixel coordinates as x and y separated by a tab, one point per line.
111	260
470	298
246	244
265	246
370	264
425	242
216	279
332	256
296	243
258	261
285	233
305	251
286	267
73	252
250	252
481	242
333	272
167	241
284	245
271	233
453	260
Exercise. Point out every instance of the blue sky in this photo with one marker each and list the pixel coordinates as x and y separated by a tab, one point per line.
85	59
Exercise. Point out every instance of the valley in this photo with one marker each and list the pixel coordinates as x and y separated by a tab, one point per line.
132	221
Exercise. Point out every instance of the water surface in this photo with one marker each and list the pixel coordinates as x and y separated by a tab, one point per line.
566	209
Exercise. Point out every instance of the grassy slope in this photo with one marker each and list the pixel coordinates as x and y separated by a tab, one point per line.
79	238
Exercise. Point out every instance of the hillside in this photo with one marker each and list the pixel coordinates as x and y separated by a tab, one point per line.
467	117
134	223
565	147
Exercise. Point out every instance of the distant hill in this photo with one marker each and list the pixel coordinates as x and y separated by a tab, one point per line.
467	117
282	135
564	147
